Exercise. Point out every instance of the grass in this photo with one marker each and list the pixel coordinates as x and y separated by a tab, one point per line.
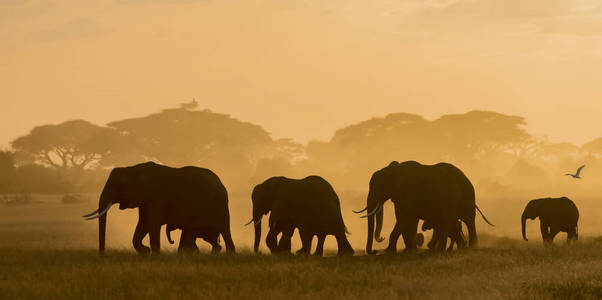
47	252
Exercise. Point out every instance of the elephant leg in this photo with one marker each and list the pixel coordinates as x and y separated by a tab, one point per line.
271	240
215	246
187	242
212	237
457	237
139	234
544	228
554	230
440	234
572	235
228	239
320	247
154	231
393	237
460	240
473	240
284	245
343	244
306	238
408	231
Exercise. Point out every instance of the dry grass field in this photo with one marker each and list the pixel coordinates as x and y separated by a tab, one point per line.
48	252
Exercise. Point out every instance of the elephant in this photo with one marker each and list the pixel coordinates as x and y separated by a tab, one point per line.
309	204
210	235
555	215
439	193
190	198
455	235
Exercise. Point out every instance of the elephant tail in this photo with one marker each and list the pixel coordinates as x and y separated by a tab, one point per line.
483	216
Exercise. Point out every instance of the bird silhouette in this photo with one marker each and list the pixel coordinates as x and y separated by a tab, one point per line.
190	105
576	175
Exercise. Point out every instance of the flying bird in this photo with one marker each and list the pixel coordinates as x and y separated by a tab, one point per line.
576	175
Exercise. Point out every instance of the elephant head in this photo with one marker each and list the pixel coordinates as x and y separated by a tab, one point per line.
263	197
532	211
382	186
119	189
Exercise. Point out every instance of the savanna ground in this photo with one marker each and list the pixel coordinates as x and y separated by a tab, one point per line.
48	252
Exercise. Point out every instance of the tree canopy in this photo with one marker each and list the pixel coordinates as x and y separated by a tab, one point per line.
73	144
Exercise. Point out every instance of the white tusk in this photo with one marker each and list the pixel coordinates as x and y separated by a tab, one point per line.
101	213
378	207
359	211
92	213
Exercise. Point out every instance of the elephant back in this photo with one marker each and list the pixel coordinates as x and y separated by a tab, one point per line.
198	198
312	204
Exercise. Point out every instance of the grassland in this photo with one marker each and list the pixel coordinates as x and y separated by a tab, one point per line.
48	252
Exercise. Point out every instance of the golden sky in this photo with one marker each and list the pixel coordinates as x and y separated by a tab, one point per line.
303	68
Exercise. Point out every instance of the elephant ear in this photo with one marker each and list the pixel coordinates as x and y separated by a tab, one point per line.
136	184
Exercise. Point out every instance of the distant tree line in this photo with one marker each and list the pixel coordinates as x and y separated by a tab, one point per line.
494	149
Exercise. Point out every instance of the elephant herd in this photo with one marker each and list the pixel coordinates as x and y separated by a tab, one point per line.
195	201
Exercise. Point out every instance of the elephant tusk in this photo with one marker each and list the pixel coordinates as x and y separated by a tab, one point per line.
90	214
360	211
101	213
376	209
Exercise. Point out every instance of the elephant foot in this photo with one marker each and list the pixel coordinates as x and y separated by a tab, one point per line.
302	252
391	251
143	250
371	252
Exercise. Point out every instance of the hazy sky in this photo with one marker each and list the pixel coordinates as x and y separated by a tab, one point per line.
302	68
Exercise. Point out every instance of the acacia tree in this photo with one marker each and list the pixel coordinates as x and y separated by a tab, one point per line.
71	145
473	140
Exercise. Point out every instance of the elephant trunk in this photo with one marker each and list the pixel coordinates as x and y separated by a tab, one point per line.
102	229
372	205
379	225
370	234
104	203
523	221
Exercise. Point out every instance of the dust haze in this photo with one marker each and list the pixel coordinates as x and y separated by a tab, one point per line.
507	91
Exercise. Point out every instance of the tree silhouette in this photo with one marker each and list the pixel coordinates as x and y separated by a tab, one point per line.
473	140
73	144
179	137
593	147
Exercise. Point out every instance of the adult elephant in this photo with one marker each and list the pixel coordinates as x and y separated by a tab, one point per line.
439	193
190	198
309	204
555	215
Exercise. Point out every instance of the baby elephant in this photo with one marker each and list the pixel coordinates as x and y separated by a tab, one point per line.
187	243
456	236
555	215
